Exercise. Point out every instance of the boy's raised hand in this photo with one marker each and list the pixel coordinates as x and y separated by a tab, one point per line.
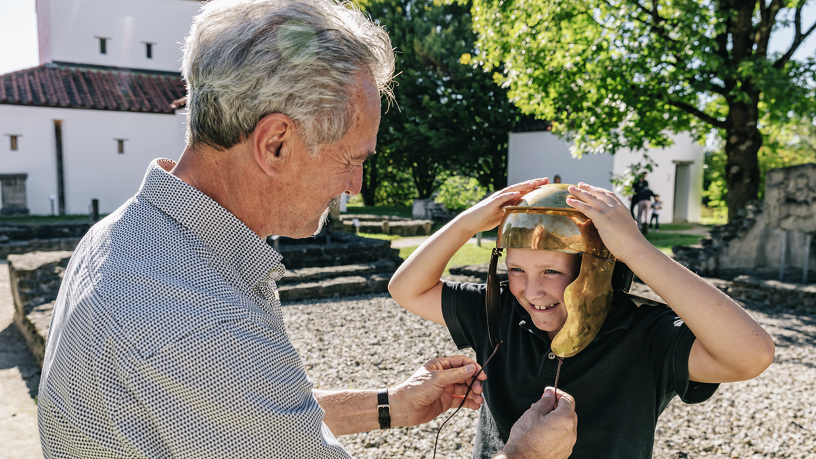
487	214
611	218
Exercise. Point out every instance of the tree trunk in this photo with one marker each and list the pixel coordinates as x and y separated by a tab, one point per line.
742	144
371	180
424	176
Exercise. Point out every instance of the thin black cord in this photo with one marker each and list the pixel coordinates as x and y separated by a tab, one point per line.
464	399
557	375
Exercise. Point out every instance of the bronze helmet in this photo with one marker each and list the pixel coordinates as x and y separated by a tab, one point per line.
541	219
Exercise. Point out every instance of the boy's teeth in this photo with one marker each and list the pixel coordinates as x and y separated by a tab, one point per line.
541	308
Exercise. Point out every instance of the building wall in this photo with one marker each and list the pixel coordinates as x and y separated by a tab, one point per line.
69	31
92	166
543	154
663	179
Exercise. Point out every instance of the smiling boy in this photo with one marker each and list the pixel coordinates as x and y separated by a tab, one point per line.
623	363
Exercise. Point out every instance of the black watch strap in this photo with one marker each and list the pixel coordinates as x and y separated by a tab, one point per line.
383	409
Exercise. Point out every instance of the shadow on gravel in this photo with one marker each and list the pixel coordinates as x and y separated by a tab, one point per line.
14	353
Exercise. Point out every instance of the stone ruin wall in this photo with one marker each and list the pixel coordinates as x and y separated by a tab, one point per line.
754	240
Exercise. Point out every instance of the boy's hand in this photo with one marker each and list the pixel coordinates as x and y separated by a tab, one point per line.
487	214
611	218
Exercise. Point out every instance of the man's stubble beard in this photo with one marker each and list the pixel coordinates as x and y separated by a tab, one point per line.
325	217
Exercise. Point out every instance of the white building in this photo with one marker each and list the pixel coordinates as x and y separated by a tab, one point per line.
535	152
85	123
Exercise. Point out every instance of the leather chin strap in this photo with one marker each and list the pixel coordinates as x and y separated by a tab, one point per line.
493	300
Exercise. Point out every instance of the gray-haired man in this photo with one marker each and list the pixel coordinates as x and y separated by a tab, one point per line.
167	338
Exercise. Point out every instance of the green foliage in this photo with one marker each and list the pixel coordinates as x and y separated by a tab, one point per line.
784	145
627	179
449	115
459	193
628	73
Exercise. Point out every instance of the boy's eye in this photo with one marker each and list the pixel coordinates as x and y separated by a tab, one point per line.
516	270
551	271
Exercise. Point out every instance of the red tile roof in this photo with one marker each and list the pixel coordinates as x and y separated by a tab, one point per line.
96	88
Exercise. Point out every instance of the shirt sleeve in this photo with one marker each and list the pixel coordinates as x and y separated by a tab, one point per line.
667	342
463	308
233	389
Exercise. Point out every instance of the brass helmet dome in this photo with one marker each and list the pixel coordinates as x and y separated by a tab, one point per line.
541	219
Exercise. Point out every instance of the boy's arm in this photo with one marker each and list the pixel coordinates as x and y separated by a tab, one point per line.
729	345
416	286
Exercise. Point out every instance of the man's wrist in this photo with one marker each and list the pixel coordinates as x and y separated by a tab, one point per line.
383	409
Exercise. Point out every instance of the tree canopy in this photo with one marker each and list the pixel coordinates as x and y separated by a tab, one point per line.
626	73
449	117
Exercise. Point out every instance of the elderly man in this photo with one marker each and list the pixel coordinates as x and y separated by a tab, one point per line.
167	338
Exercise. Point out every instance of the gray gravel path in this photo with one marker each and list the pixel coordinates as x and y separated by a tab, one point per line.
370	342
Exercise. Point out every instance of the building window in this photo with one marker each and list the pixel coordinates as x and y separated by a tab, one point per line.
120	146
149	50
103	45
14	141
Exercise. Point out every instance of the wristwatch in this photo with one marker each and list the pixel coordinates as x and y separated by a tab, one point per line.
383	409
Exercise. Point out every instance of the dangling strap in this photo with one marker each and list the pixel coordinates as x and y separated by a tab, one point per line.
493	299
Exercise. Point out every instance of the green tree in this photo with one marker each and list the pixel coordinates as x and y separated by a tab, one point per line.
449	115
785	145
626	73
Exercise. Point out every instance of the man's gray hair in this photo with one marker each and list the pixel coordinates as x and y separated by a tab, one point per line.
245	59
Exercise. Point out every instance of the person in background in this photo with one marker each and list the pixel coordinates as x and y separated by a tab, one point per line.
656	206
644	204
637	187
557	179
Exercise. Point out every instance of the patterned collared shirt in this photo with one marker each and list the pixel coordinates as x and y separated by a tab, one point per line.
167	340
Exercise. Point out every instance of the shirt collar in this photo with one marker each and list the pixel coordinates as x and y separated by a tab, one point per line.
219	229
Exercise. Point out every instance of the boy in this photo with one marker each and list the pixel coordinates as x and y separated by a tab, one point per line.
622	368
656	206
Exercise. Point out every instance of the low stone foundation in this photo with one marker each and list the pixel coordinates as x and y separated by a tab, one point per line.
376	224
35	280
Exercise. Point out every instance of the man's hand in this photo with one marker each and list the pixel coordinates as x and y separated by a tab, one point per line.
543	432
436	387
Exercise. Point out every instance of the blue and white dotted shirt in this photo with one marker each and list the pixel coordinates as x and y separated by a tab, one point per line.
168	340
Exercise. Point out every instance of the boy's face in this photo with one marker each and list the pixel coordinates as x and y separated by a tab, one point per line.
538	279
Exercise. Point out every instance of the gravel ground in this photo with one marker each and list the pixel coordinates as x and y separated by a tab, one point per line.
370	342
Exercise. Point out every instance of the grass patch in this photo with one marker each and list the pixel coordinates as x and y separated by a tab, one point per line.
401	211
679	227
386	237
25	219
665	241
469	254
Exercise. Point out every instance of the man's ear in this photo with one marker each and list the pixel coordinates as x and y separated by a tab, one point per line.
272	142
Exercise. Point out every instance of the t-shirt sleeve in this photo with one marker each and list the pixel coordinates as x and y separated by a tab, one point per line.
231	389
463	308
667	342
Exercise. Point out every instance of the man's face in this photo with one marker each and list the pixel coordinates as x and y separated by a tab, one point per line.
538	279
336	169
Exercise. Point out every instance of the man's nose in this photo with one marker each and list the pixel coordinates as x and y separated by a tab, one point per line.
356	181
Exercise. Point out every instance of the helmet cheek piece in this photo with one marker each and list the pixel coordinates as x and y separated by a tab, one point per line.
542	220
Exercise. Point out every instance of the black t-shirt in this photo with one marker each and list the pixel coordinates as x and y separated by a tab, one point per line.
621	382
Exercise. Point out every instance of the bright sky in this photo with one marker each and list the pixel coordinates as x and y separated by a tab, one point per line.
18	34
